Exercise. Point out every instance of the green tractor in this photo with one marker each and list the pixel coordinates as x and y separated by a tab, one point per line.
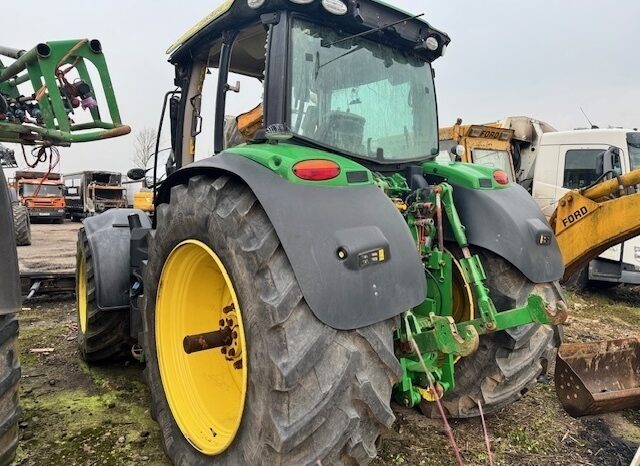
280	292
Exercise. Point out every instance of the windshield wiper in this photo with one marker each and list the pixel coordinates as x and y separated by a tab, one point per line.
318	65
370	31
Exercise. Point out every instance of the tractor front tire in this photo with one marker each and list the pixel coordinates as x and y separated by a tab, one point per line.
21	224
103	335
311	393
507	362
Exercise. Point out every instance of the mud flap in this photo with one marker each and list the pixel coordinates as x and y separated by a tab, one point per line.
351	250
109	239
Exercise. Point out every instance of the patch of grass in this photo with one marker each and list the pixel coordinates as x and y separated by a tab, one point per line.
521	438
596	306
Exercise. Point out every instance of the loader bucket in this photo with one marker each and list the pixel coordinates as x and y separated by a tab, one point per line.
598	377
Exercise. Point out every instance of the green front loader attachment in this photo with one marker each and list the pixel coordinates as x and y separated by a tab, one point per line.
61	88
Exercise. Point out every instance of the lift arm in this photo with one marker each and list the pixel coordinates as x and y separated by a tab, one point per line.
590	221
46	113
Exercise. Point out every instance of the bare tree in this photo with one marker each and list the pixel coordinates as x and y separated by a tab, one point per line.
144	146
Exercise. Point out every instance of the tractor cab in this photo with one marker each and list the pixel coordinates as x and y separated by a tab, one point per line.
325	75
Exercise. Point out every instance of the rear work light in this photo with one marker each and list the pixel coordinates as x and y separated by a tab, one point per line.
501	177
316	170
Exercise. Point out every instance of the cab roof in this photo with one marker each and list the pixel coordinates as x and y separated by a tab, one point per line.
238	12
609	136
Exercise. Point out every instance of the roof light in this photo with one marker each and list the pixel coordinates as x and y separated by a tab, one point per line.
302	2
335	7
316	170
431	43
501	177
254	4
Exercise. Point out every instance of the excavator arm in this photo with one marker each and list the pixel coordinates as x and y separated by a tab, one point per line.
588	222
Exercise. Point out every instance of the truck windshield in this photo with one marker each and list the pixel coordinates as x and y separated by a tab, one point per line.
360	97
498	159
633	139
46	190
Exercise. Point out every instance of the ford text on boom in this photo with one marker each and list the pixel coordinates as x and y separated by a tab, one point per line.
569	219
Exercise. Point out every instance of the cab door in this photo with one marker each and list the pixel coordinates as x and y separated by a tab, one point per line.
580	169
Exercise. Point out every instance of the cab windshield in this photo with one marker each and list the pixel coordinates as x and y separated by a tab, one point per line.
633	139
360	97
498	159
46	190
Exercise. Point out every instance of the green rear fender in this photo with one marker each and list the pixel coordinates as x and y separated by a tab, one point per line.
503	219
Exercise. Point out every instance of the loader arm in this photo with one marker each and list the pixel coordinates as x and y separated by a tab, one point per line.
588	222
61	89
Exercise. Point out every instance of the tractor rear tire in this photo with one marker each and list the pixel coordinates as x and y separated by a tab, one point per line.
103	335
507	363
313	393
21	224
9	379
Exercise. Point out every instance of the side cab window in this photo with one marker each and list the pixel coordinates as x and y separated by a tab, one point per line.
583	167
243	93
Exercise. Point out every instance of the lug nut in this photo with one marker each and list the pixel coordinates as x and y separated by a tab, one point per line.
221	322
237	364
232	352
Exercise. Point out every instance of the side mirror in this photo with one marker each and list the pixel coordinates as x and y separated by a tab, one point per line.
609	161
136	174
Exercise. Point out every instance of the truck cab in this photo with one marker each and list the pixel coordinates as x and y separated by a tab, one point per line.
569	160
92	192
42	193
487	145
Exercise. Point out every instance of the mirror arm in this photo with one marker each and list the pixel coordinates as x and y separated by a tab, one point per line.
159	133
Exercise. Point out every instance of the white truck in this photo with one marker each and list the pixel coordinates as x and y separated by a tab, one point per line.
549	163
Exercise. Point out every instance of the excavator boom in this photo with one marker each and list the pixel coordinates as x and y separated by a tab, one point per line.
588	222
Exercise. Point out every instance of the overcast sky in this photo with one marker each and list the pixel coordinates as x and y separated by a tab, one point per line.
542	58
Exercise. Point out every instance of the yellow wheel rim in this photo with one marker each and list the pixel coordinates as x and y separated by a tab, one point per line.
462	297
205	390
81	294
463	303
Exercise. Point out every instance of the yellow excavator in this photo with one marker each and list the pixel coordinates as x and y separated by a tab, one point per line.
591	377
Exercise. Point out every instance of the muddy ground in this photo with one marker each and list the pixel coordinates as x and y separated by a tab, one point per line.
80	415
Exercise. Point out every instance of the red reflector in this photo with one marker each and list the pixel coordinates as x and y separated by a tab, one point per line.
316	170
501	177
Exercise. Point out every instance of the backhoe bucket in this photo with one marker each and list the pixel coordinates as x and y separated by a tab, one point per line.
598	377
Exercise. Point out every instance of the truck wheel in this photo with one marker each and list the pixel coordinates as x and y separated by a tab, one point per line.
9	378
102	335
22	224
287	390
508	362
